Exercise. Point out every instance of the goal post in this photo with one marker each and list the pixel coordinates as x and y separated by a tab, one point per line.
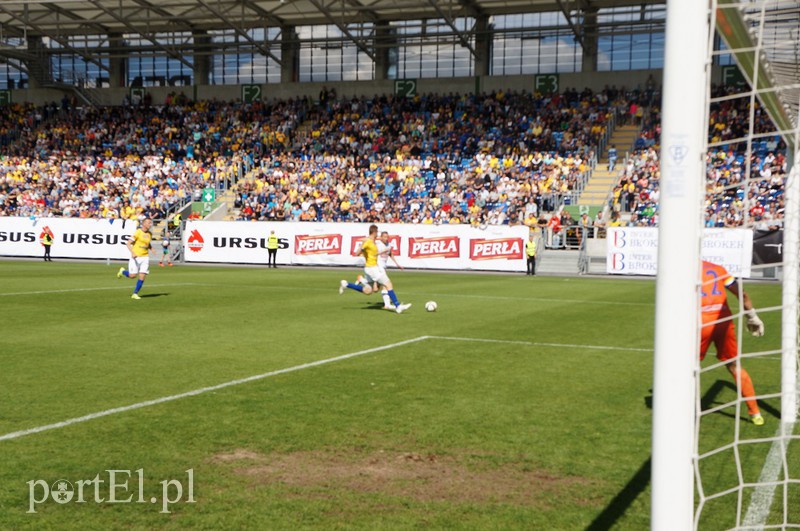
682	157
722	163
791	245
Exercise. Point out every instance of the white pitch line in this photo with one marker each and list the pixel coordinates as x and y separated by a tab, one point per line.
537	299
147	403
538	344
76	290
760	503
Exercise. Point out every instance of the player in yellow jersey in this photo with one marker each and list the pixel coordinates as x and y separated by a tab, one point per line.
139	263
385	251
374	272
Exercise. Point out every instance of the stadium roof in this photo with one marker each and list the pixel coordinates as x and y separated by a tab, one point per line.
781	44
57	18
764	37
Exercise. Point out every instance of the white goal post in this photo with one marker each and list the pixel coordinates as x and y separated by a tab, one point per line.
791	247
683	129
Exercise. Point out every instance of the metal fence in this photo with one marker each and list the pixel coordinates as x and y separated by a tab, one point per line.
570	237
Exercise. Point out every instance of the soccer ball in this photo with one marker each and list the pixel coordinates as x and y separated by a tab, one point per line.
431	306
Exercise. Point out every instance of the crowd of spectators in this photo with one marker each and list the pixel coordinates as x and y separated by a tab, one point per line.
491	158
130	161
732	200
499	158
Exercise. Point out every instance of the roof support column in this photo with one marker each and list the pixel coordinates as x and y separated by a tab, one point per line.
39	70
290	55
483	46
118	63
201	67
589	40
385	42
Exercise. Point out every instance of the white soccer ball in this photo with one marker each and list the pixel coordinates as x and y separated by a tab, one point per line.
431	306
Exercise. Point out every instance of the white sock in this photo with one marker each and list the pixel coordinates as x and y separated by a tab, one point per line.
386	300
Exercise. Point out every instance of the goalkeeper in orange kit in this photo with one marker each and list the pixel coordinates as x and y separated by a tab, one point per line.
718	328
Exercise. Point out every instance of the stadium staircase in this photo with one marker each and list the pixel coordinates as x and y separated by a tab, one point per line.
557	262
159	228
602	181
40	70
228	198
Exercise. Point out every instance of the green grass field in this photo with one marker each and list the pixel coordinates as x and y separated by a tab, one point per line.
522	403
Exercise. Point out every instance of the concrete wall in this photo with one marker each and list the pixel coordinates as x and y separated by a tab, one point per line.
595	81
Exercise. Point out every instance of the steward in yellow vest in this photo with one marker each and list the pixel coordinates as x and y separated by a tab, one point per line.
530	253
272	249
46	239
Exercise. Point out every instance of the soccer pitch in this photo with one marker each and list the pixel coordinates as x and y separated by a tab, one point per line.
262	399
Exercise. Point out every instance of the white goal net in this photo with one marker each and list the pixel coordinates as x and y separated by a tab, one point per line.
745	475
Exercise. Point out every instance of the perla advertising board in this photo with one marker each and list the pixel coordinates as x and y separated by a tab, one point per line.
456	247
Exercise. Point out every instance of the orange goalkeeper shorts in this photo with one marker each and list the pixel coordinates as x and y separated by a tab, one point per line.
723	335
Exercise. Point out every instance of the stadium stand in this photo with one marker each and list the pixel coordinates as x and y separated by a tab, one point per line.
498	158
730	201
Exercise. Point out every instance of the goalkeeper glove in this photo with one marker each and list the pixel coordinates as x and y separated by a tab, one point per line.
754	324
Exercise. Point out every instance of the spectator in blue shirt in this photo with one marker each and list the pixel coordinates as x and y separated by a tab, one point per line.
612	157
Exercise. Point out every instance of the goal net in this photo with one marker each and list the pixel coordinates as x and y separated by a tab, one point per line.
744	476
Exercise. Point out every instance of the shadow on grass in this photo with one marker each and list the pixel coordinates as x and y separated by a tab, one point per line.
710	398
375	306
148	295
622	500
369	306
639	481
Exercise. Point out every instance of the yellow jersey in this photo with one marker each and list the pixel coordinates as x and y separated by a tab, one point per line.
370	252
141	242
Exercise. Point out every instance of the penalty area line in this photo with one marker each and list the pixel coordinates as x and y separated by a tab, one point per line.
76	290
202	390
537	299
538	344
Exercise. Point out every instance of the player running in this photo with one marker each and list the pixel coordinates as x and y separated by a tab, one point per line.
139	263
374	273
385	251
718	328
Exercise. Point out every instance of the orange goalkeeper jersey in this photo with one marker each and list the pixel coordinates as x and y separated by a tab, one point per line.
714	301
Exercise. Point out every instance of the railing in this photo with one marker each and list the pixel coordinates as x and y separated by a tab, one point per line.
86	96
609	201
570	237
611	124
610	196
89	96
583	179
